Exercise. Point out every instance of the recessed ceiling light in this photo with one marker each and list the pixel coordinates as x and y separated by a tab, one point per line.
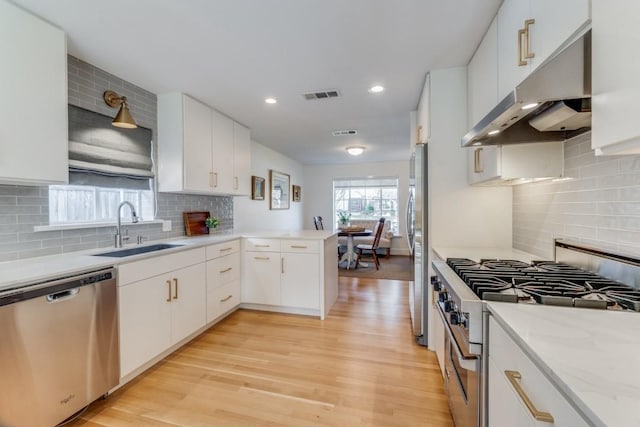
355	151
529	106
493	132
376	89
270	100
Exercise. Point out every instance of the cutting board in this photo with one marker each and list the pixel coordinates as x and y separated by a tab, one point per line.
194	222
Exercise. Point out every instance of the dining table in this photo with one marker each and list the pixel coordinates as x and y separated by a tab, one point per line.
350	255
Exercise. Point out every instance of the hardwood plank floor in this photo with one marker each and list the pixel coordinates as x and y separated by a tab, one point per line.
359	367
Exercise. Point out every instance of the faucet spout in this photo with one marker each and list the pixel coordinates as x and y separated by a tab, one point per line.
134	218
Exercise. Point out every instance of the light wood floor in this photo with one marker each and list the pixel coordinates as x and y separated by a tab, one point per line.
359	367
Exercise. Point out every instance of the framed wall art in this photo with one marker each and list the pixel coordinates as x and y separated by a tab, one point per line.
279	190
257	188
296	193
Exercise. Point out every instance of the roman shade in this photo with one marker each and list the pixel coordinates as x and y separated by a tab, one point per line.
105	156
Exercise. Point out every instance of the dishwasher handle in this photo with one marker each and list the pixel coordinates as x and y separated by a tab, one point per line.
63	295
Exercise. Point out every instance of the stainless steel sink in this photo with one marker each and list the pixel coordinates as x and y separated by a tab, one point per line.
138	250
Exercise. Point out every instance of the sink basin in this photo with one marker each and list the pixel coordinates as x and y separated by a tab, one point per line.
120	253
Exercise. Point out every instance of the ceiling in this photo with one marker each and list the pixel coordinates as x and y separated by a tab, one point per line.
231	54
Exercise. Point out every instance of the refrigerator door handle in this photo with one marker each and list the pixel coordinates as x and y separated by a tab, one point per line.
408	223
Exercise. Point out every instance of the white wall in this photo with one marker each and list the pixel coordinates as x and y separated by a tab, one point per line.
251	215
319	191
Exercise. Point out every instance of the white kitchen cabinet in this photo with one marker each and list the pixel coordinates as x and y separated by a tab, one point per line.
223	279
33	77
529	31
438	335
513	380
161	301
300	274
261	278
508	164
424	112
616	87
241	160
482	76
196	149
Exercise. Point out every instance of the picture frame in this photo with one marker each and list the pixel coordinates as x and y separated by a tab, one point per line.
279	185
257	188
296	193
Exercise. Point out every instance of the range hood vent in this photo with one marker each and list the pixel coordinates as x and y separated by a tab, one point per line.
558	93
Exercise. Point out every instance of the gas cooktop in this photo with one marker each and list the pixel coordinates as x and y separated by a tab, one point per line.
543	282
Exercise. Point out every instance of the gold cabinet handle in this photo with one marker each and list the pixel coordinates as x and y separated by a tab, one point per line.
227	298
282	265
477	168
527	39
262	257
262	246
235	182
298	247
513	377
175	288
521	61
225	249
210	179
169	289
226	270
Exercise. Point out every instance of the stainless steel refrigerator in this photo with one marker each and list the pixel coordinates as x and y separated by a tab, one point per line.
418	233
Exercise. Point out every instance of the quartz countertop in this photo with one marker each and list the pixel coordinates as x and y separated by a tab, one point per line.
14	274
590	355
476	254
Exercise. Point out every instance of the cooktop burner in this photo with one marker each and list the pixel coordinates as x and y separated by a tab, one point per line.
543	282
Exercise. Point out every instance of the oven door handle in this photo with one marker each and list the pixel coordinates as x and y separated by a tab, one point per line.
468	364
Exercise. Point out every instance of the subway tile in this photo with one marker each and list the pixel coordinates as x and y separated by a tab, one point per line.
8	200
40	235
39	252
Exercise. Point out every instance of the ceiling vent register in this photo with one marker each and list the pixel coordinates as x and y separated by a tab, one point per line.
321	94
344	132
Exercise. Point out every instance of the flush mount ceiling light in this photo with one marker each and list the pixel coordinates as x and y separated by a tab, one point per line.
355	151
123	119
270	100
529	106
376	89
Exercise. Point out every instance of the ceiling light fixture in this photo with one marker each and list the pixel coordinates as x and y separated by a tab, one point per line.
376	89
270	100
529	106
493	132
123	119
355	151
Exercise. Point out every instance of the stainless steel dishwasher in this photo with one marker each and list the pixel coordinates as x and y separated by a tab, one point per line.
58	347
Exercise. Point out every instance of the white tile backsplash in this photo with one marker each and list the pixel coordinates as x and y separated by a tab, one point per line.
600	207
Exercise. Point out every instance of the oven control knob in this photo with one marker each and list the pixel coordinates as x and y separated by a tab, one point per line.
448	306
435	282
454	318
463	321
442	296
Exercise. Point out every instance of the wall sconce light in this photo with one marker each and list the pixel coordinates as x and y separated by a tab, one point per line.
355	151
123	119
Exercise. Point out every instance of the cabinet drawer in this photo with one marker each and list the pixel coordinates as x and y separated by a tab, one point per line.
221	249
223	270
506	355
262	245
150	267
307	246
222	299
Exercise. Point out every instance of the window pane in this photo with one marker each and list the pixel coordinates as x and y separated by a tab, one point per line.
373	193
368	198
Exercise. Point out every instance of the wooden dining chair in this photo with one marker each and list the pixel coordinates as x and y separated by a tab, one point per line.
363	249
317	221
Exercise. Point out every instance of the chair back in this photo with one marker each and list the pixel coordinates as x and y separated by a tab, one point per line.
317	221
376	240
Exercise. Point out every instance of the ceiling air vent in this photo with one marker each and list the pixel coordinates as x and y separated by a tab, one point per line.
344	132
321	94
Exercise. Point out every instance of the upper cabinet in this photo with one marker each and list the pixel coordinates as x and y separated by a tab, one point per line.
529	31
616	87
424	112
200	150
482	76
33	106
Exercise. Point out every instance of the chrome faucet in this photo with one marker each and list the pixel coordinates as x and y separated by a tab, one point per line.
134	218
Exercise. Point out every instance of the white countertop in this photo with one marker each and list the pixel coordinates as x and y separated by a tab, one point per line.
592	356
476	254
23	272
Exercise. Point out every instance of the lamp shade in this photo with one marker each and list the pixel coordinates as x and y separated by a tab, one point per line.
124	119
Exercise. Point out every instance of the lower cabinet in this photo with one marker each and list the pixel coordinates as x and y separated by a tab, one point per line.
438	338
223	279
519	393
157	312
261	278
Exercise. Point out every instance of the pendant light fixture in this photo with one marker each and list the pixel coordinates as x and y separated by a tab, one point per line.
123	119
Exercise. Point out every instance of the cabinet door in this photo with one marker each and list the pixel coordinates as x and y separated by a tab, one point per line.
483	76
438	338
261	278
300	280
197	146
222	299
222	153
616	87
511	17
505	408
241	160
424	112
484	163
145	321
188	301
33	105
223	270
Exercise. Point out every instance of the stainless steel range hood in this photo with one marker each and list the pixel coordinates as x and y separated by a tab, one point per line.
559	91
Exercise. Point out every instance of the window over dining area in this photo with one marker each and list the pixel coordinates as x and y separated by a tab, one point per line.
367	199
